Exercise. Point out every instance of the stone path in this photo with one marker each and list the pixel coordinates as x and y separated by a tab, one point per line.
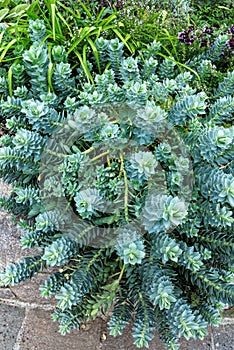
25	326
25	318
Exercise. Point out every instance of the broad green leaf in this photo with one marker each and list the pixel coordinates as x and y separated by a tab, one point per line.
3	13
18	11
4	3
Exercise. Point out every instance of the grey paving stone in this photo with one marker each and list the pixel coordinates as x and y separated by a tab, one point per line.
224	337
6	293
5	189
198	344
28	291
41	333
10	234
125	342
12	251
11	318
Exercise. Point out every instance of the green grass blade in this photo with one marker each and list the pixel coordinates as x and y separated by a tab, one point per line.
47	19
84	34
87	71
88	13
169	37
53	15
4	3
180	64
3	13
18	11
124	40
64	21
109	19
9	80
99	17
50	74
95	52
8	46
224	8
84	66
68	10
1	35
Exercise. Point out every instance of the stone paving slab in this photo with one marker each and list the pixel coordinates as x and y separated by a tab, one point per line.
224	337
12	251
28	291
6	293
41	333
11	319
125	342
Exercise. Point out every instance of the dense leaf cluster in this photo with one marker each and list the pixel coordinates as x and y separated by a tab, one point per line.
126	184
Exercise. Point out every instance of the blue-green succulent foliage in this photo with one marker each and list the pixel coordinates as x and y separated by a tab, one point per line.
126	184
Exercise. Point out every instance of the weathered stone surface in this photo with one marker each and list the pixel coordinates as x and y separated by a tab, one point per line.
11	249
125	342
11	318
5	189
10	234
198	344
28	291
41	333
6	293
224	337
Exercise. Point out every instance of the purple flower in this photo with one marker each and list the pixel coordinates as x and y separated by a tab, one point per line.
185	38
230	43
120	5
182	35
190	29
208	30
189	41
204	43
231	29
